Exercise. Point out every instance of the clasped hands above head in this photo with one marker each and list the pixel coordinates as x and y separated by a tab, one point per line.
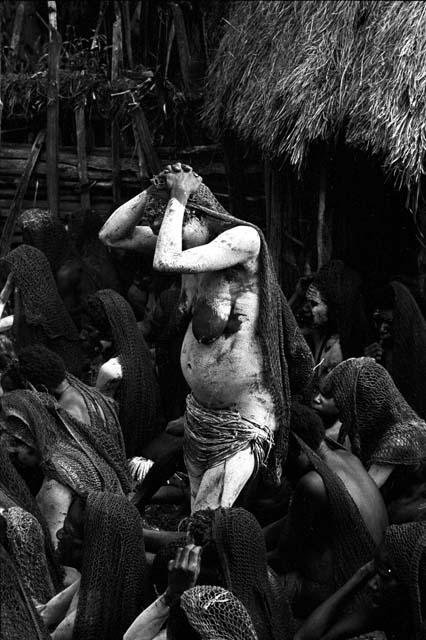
181	178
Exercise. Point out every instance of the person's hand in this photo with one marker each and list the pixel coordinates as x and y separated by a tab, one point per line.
375	351
176	427
181	180
183	572
367	571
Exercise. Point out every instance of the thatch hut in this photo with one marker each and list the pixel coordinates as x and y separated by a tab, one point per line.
332	94
96	96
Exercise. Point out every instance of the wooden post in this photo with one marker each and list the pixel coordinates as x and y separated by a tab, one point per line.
17	30
128	34
80	128
183	47
55	43
143	138
15	207
323	233
116	68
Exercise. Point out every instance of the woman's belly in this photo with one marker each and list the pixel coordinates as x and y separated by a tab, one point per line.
228	373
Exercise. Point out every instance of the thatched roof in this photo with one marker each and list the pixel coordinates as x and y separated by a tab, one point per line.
289	73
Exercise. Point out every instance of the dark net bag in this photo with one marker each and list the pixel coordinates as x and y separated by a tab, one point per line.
216	614
19	619
114	585
14	487
409	348
405	545
72	453
241	548
382	427
352	544
287	359
138	392
45	231
46	320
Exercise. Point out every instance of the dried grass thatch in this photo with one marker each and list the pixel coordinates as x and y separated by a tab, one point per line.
289	73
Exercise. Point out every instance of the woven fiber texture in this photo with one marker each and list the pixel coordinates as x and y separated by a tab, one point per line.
241	549
405	545
216	614
409	348
351	542
46	320
19	619
44	231
114	585
287	359
16	490
382	427
76	455
27	547
139	396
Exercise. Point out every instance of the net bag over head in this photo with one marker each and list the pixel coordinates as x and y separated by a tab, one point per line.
241	549
76	455
406	546
13	486
19	619
287	359
27	546
45	231
216	614
114	585
382	427
45	318
139	397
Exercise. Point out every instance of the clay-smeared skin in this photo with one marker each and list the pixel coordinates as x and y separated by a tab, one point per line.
221	357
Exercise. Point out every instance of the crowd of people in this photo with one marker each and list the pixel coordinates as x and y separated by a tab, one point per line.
186	454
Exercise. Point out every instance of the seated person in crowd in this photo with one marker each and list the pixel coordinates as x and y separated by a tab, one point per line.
394	586
400	342
336	518
40	315
330	312
102	537
72	457
384	431
128	375
43	370
233	557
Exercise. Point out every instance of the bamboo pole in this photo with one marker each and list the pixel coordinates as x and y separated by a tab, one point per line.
80	128
116	67
101	16
322	257
17	30
15	207
183	47
143	138
55	43
128	33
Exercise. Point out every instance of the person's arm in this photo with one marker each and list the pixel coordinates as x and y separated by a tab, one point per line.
233	246
317	626
120	231
55	610
183	574
380	473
